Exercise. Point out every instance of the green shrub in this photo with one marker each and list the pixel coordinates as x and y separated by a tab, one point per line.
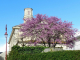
13	55
57	55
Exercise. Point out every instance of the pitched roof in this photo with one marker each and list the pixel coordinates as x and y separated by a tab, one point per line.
17	26
13	28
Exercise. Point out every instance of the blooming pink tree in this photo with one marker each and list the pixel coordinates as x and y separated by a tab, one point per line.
49	29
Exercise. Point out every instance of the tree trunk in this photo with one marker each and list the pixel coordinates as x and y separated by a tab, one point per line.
54	44
49	42
55	39
43	42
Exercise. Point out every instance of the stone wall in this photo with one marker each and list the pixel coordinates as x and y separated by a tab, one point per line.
52	49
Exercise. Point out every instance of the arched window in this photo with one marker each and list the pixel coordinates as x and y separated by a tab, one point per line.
28	12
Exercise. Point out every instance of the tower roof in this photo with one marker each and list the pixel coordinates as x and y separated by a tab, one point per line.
28	8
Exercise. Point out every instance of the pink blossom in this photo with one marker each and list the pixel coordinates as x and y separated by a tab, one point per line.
45	31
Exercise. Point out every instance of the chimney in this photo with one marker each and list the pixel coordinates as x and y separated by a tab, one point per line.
28	13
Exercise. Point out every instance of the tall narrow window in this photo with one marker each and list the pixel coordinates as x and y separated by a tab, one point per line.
28	12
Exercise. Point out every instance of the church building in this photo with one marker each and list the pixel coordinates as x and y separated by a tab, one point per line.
14	37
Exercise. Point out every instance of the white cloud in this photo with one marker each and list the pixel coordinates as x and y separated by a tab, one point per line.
3	47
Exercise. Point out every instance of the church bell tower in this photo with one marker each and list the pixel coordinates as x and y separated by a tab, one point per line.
28	13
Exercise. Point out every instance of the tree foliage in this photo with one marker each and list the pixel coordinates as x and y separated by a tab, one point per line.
49	29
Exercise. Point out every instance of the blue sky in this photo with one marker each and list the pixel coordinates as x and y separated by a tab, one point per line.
12	12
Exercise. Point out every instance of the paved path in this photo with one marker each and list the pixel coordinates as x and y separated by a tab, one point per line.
2	56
